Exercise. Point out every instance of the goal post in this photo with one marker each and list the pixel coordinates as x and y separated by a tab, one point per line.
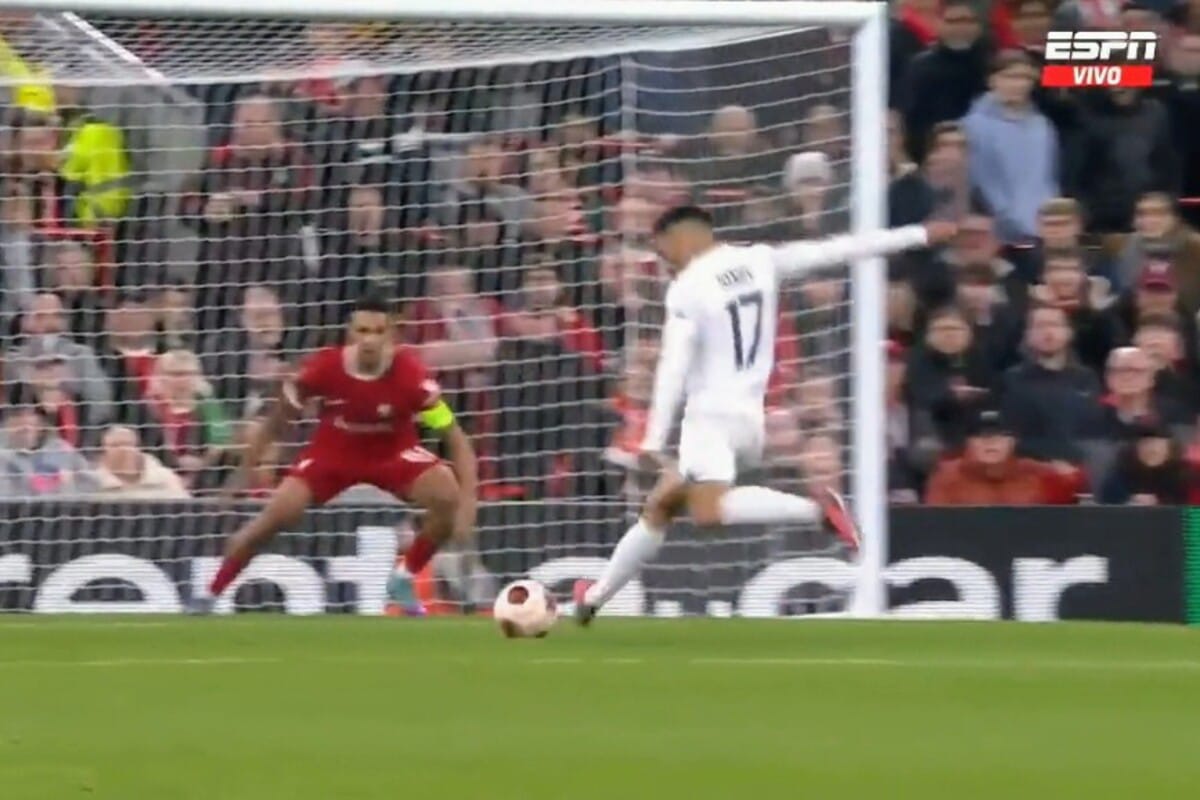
458	34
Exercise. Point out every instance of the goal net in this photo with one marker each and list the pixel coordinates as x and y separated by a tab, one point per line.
191	204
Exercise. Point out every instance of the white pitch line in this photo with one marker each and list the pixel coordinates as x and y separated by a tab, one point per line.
144	662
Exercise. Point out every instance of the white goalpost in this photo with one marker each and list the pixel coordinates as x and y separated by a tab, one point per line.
200	188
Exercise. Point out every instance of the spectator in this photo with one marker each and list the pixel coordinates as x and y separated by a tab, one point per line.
629	270
812	207
128	354
95	165
34	460
904	477
192	425
360	253
174	308
975	244
1156	294
1049	400
824	131
481	180
1160	235
947	173
543	311
251	202
947	377
914	27
1131	400
1126	152
1149	471
1087	15
1174	375
125	472
34	158
545	392
727	161
454	330
990	473
20	254
1087	302
1013	150
995	324
248	362
1181	95
45	333
69	273
910	197
62	411
1060	227
942	81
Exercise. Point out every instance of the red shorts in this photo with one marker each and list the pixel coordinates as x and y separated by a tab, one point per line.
327	478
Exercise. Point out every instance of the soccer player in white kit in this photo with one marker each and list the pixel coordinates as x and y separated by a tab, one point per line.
717	354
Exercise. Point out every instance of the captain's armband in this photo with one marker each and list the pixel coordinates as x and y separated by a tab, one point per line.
437	417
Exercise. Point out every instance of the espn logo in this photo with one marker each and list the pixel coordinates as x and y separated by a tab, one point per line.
1099	58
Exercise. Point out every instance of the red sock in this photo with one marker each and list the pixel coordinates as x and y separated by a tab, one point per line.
231	567
419	553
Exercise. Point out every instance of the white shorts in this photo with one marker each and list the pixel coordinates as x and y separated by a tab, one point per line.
716	448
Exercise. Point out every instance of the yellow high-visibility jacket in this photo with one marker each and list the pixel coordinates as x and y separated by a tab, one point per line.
95	160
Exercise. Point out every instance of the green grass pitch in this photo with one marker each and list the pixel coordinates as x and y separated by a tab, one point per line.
264	707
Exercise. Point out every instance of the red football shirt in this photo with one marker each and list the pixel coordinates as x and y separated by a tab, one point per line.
365	418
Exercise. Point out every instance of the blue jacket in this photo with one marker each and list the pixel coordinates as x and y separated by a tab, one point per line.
1013	160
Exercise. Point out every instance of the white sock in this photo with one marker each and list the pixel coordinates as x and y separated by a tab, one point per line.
639	545
759	505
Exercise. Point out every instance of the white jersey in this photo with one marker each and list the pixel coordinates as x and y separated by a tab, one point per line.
731	296
718	345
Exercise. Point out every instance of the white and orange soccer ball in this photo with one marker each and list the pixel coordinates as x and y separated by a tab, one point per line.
525	609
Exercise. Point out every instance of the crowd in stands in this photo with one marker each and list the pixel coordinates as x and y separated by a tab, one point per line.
1049	354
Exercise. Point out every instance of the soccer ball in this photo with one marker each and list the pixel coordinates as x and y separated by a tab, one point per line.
525	608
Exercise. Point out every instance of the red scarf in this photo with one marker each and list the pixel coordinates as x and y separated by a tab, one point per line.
921	27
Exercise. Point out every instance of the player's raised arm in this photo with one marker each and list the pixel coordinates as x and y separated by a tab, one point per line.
674	361
797	259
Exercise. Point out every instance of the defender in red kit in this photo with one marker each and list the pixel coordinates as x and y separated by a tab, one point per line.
370	394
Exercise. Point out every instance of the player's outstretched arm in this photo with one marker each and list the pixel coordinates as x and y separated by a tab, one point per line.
286	406
674	361
797	259
461	453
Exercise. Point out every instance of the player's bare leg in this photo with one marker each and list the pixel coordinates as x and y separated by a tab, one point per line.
436	493
639	545
283	510
716	504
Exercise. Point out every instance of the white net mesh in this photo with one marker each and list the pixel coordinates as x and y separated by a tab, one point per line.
191	205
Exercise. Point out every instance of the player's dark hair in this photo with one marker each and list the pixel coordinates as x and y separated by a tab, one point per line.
374	302
679	214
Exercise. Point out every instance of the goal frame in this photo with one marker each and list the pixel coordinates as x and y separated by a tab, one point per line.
868	163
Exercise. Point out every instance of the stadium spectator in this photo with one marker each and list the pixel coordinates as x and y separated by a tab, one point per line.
995	324
20	253
247	363
728	162
941	82
1050	401
125	472
1087	302
990	472
975	244
901	312
250	202
481	179
1013	150
824	131
359	252
1149	470
95	165
1175	376
454	329
34	459
947	171
1127	150
1060	228
547	388
947	377
812	207
1131	399
1159	235
905	479
127	355
68	272
1074	15
914	27
1156	294
175	318
1181	95
910	197
34	158
45	333
193	427
629	268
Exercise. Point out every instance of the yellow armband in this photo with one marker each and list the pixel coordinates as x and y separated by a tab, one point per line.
437	418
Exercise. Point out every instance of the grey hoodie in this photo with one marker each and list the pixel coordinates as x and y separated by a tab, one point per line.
53	469
1013	161
86	379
